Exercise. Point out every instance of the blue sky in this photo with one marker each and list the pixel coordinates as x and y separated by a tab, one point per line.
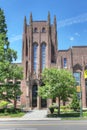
71	20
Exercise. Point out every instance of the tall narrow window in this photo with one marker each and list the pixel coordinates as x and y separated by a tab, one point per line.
26	47
43	55
65	63
26	69
77	76
35	56
34	95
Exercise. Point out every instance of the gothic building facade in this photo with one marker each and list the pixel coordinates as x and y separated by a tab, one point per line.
40	50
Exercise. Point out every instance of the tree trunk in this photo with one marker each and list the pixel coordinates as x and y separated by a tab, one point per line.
59	106
15	102
64	103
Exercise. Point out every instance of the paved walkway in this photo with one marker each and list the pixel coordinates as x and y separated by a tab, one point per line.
32	115
35	114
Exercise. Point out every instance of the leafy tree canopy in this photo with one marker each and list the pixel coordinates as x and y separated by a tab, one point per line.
57	83
6	53
8	70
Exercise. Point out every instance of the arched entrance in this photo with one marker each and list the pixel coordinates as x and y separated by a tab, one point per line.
37	102
43	103
34	95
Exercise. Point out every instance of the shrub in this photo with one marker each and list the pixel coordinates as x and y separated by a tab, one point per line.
52	107
55	110
75	103
3	104
5	112
63	107
84	114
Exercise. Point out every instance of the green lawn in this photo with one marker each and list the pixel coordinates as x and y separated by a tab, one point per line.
11	112
68	114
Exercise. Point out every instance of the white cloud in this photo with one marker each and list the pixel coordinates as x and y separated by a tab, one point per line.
71	38
77	34
15	38
78	19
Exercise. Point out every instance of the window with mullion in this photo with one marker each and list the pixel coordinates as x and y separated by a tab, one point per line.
65	63
43	55
35	56
77	76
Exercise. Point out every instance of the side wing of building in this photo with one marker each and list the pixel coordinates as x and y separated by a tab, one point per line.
75	60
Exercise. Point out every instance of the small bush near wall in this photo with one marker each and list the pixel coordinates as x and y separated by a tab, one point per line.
85	114
53	107
3	104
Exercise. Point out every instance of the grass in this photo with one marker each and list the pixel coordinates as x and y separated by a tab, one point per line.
11	112
68	115
74	118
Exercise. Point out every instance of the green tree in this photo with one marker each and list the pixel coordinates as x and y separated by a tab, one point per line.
75	104
16	73
8	70
57	83
9	91
7	55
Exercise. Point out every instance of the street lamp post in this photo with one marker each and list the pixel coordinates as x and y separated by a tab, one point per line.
79	91
81	102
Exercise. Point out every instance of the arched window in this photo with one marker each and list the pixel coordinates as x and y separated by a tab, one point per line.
43	55
35	30
35	56
43	30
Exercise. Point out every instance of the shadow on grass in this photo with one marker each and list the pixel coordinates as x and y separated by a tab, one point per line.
74	114
11	112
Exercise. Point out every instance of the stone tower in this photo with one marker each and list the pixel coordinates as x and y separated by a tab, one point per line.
39	50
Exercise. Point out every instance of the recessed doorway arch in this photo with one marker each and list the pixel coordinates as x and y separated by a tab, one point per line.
34	95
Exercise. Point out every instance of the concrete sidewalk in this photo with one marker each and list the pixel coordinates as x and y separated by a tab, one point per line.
32	115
